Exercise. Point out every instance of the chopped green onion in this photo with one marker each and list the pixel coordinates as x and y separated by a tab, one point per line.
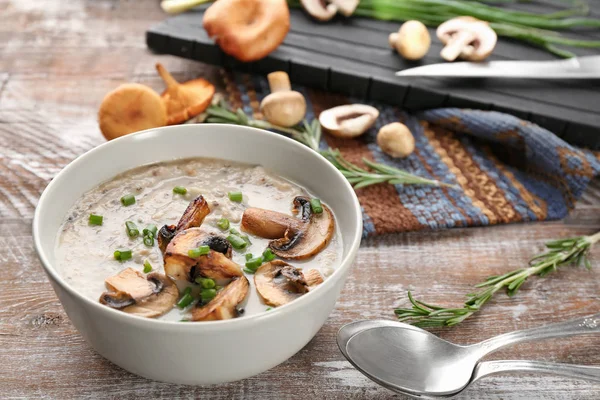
184	320
149	241
206	283
248	271
207	294
268	255
147	266
223	224
186	299
245	237
237	242
316	206
179	190
128	200
132	230
150	230
248	256
217	287
235	196
269	308
96	219
123	254
254	263
199	251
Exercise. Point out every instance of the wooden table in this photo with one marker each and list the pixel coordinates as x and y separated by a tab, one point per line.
57	60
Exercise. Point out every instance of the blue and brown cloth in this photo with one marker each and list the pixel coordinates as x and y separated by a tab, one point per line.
507	169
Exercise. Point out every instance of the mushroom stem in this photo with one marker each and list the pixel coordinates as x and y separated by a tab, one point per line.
279	81
166	76
459	42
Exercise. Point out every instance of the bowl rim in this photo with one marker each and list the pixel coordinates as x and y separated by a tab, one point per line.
345	263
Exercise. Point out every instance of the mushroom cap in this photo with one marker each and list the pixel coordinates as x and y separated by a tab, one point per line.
192	217
223	306
396	140
147	296
294	238
247	29
129	108
284	108
412	40
184	101
319	10
479	36
216	264
348	121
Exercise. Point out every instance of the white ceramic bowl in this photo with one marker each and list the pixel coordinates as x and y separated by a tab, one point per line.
178	352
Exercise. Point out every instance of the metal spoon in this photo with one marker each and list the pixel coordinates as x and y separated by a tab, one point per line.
412	361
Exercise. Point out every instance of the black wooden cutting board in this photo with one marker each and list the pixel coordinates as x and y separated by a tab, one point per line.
352	57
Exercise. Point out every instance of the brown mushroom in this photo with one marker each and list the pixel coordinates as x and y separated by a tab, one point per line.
348	121
294	238
217	264
147	296
284	106
247	29
224	305
192	217
319	9
396	140
184	100
278	283
467	38
412	41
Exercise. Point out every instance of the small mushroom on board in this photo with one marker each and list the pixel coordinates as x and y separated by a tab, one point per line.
467	38
217	264
348	121
293	238
184	100
147	296
284	106
324	10
279	283
192	217
396	140
412	41
345	7
247	29
131	107
224	305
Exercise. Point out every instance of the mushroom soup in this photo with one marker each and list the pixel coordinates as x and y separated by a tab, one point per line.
197	240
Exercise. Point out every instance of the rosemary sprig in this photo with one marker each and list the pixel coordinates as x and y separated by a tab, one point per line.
571	251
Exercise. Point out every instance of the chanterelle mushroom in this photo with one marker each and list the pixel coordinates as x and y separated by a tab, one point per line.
192	217
217	264
294	238
147	296
348	121
278	282
467	38
283	107
224	305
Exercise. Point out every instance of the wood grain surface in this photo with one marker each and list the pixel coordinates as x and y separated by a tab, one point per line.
58	59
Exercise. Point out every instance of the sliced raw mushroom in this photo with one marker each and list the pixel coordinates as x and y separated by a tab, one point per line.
147	296
217	264
192	217
224	305
467	38
294	238
279	283
348	121
284	106
319	9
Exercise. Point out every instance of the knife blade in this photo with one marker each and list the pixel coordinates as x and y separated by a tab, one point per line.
587	67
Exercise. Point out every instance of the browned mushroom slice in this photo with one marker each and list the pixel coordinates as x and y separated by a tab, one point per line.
224	305
216	264
192	217
295	238
147	296
313	278
278	283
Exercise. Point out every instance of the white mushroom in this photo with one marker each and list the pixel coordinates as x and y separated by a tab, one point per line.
412	41
283	107
467	38
319	9
346	7
348	121
396	140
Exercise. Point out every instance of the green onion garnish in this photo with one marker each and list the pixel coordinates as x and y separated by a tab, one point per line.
244	237
268	255
186	299
207	294
122	254
316	206
248	256
96	219
248	271
128	200
149	241
147	266
237	242
254	263
199	251
269	308
150	230
206	283
235	196
179	190
217	287
132	230
223	224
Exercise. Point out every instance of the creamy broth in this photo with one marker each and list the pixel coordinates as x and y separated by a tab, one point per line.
84	252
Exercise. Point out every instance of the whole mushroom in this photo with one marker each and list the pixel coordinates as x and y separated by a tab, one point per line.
284	106
324	10
467	38
412	41
396	140
348	121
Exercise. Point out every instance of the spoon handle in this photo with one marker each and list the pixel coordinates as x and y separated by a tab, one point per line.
579	326
586	372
